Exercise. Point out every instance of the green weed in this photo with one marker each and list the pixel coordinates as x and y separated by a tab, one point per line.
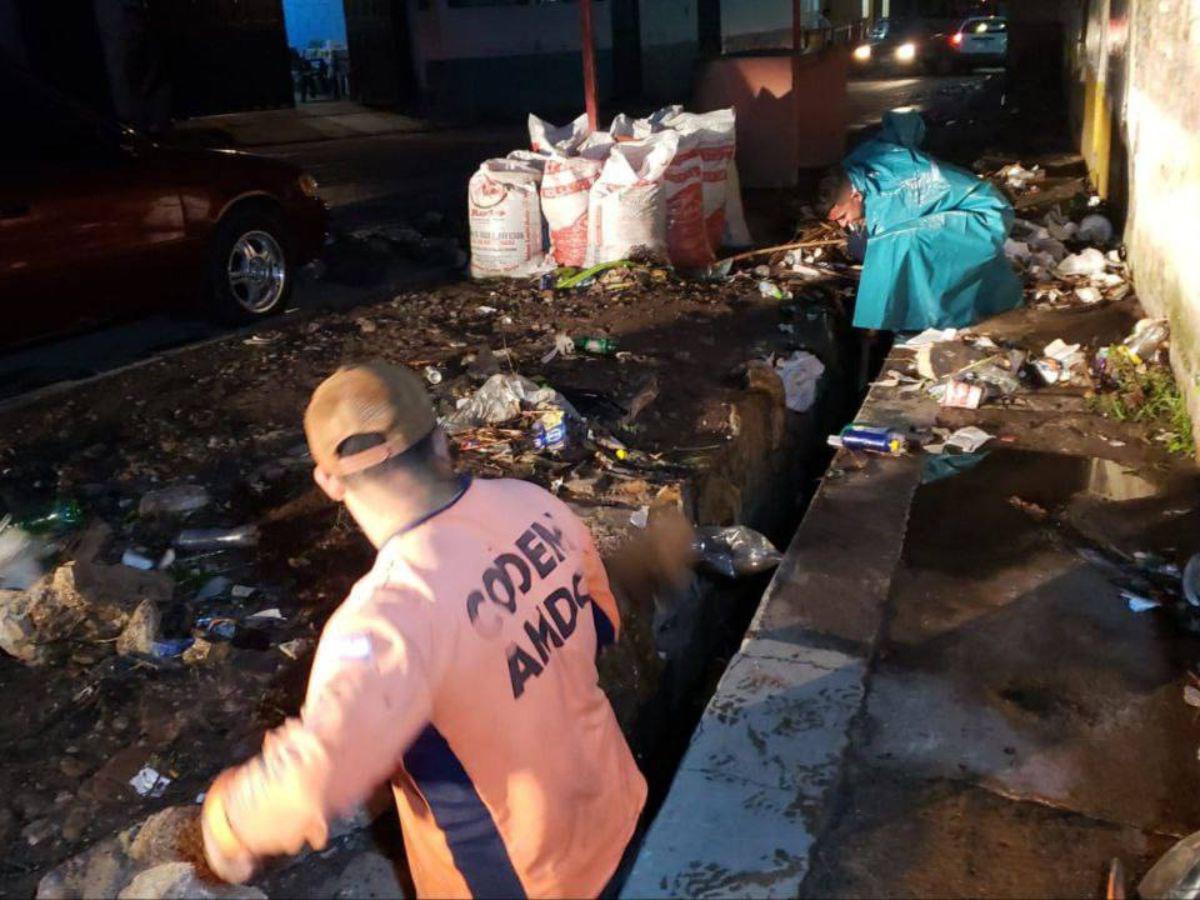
1148	395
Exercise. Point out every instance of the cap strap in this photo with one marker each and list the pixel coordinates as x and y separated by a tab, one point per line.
372	456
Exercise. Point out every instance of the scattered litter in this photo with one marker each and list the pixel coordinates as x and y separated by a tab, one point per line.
169	649
1089	294
167	559
242	591
136	560
432	375
272	613
800	373
149	782
1087	262
640	517
179	500
295	648
937	466
870	438
1095	229
502	398
735	551
772	291
263	340
961	394
1018	178
969	439
217	538
931	336
1138	603
563	346
213	588
20	553
1147	337
1191	695
1060	350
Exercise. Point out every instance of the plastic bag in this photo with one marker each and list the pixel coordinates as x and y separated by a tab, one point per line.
627	208
564	139
737	233
506	220
800	374
735	551
20	558
566	190
1089	261
501	398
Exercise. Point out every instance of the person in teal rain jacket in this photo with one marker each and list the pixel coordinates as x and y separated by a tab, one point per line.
935	235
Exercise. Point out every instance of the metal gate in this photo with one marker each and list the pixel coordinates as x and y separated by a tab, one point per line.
381	60
225	55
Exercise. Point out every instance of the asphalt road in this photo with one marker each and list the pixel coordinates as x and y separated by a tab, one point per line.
375	181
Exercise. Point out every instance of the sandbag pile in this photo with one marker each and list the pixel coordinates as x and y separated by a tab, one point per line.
663	187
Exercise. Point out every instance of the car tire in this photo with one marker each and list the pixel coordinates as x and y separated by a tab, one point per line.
250	268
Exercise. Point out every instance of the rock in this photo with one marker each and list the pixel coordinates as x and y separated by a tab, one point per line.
171	835
178	880
73	766
8	825
75	822
39	831
141	631
80	600
369	875
100	871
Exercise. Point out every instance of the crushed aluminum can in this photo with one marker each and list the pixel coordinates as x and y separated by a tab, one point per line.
963	395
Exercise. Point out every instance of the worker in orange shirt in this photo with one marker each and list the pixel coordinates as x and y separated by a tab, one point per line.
460	669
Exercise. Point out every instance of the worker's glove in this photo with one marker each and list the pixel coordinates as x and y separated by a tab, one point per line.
226	856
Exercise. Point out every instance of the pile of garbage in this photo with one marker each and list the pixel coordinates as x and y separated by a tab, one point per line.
663	188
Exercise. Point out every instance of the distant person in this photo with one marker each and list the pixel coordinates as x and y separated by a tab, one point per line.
823	18
304	76
934	235
460	672
322	75
335	76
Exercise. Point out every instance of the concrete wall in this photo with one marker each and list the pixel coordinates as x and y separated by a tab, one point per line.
670	47
314	20
1158	141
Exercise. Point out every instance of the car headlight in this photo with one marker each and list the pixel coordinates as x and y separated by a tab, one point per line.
863	52
906	52
308	186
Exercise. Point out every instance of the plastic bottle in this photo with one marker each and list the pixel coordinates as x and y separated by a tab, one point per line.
62	515
599	346
217	538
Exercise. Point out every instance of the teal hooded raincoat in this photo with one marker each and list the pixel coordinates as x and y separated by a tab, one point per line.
935	236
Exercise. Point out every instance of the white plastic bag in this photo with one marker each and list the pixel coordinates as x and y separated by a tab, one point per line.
626	129
564	139
506	220
716	133
566	189
627	208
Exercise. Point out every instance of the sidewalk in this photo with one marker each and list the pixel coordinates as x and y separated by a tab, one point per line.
318	121
942	693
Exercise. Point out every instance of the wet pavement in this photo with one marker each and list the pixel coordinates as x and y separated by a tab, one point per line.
1016	698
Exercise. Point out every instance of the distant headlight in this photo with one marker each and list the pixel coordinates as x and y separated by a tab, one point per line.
308	185
906	52
863	53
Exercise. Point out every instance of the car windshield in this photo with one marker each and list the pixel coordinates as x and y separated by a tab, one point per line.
879	30
984	26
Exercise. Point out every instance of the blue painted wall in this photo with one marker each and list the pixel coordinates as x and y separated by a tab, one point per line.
314	20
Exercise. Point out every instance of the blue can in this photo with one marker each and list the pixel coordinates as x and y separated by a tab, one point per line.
874	438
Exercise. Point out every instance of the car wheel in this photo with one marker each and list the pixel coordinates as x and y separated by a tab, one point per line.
250	272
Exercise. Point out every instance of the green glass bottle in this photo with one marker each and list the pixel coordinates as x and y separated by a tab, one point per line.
64	514
599	346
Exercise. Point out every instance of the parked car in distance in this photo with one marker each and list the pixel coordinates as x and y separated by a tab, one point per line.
98	222
981	41
904	46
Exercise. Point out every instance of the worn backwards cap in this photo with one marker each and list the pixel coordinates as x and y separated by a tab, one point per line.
366	398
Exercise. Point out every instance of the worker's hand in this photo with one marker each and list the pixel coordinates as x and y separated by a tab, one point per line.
225	854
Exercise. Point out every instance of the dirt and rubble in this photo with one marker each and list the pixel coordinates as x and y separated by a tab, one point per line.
161	677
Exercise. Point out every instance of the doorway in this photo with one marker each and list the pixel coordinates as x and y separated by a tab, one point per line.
318	50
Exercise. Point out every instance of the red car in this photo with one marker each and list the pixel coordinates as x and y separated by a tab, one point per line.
98	222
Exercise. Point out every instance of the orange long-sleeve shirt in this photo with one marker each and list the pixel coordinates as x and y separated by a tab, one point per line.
461	670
